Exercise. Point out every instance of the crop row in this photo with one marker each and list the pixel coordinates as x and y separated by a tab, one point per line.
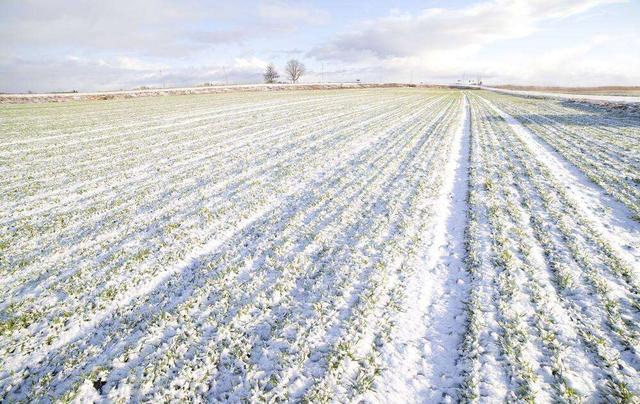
245	267
606	150
564	326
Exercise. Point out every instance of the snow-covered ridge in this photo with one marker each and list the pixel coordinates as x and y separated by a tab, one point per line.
107	95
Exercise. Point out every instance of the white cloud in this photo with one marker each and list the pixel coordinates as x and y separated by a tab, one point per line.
439	44
590	62
249	64
87	45
582	64
439	29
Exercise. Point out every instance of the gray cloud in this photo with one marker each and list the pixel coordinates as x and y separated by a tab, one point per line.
89	75
143	27
81	44
146	27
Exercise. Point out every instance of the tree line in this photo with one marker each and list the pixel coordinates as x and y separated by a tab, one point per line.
293	71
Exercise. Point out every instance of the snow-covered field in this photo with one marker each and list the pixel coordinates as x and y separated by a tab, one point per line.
385	245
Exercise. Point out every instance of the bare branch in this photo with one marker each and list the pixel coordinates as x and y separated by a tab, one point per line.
294	70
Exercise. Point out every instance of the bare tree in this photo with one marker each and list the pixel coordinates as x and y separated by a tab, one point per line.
294	70
270	74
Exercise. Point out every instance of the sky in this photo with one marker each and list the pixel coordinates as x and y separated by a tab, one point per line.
57	45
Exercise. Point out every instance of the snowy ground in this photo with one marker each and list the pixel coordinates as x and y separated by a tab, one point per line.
385	245
581	97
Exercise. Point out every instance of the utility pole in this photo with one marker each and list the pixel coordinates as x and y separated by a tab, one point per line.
226	78
322	74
